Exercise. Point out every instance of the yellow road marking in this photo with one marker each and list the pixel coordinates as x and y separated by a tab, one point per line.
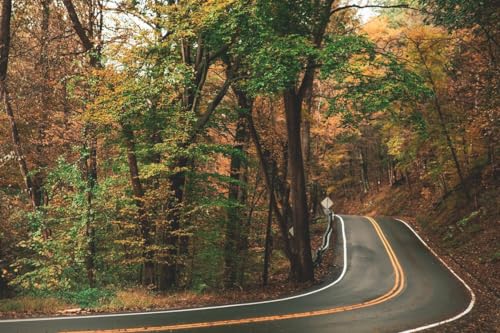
399	282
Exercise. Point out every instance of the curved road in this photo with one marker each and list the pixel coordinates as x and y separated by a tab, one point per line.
391	282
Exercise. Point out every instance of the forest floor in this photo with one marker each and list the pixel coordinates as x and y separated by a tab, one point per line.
140	299
464	232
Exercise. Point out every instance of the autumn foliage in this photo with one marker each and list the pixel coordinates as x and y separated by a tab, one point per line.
174	144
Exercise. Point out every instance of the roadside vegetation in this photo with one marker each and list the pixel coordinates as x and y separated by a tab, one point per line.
35	303
157	154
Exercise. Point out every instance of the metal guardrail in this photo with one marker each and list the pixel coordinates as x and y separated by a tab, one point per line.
326	238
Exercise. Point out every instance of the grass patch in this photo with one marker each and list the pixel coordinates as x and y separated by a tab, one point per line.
30	304
87	298
51	302
135	298
131	299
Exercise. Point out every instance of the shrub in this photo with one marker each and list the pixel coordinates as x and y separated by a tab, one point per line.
87	298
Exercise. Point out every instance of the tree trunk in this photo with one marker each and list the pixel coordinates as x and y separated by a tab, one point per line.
178	245
16	140
300	216
407	180
31	186
233	241
38	176
169	269
451	147
265	165
268	241
89	161
444	185
442	123
148	276
306	128
5	37
364	171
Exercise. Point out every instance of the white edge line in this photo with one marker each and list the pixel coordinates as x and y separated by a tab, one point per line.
473	296
344	269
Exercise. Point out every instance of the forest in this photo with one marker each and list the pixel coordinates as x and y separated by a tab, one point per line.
170	147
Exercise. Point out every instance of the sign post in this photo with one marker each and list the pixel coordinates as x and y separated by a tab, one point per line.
327	204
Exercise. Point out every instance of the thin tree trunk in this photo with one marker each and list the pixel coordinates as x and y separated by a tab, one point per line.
265	166
89	162
444	185
148	276
442	123
268	241
243	249
407	180
31	186
449	142
237	193
16	140
90	171
4	288
37	174
364	171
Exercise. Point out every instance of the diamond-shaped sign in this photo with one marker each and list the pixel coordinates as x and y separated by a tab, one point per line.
327	203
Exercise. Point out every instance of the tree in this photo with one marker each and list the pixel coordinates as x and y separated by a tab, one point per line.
89	159
31	187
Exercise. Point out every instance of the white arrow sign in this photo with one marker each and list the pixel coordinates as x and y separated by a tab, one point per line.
327	203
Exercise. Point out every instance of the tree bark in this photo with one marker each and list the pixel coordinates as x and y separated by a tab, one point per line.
5	38
306	128
300	215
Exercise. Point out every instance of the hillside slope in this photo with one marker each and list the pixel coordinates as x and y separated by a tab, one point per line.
464	232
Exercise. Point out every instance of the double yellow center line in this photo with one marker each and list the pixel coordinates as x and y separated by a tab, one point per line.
399	283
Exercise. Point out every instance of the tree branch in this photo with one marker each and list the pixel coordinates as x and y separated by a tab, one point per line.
77	25
6	13
338	9
203	120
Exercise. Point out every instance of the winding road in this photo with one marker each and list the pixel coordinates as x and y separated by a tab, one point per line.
390	282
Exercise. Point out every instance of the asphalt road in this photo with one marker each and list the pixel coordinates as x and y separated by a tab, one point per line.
391	283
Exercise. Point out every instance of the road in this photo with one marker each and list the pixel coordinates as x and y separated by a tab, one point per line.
391	282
